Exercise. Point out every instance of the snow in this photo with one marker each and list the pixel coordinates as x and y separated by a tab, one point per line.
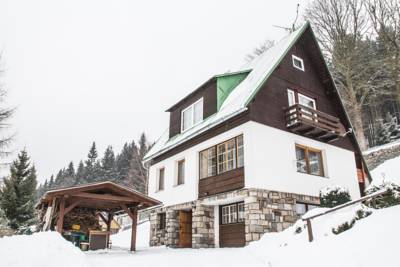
373	241
389	171
45	249
237	100
328	189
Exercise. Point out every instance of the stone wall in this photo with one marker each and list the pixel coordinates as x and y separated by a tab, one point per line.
374	159
202	226
265	211
271	211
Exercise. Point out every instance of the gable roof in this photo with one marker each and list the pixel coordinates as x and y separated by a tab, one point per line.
238	99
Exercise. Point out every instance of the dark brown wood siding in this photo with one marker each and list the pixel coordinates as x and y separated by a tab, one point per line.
268	105
214	131
232	235
208	92
224	182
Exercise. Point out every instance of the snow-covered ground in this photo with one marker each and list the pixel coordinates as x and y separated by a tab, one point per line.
372	242
389	171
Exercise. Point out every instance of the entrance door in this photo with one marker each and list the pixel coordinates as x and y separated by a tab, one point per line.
185	229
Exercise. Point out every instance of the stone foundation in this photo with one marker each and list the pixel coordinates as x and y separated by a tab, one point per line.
265	211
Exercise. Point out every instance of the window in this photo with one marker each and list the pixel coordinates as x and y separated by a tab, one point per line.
309	160
295	97
208	163
222	157
161	176
302	208
298	63
232	213
181	172
240	157
161	221
192	115
226	156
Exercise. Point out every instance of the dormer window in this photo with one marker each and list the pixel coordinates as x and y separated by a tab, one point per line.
298	63
192	115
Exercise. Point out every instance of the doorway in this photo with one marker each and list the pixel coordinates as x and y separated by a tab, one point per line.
185	229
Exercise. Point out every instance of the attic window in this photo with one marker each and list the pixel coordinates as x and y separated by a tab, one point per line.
192	115
298	63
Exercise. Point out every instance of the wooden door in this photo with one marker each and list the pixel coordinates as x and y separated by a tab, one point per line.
185	229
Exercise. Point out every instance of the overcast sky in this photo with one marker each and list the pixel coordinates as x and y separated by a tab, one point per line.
80	71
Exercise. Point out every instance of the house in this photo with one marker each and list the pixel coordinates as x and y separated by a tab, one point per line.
248	151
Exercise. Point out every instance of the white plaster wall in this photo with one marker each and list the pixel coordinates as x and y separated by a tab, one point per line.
189	190
270	163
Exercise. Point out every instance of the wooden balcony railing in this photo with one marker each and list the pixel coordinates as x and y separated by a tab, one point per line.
313	123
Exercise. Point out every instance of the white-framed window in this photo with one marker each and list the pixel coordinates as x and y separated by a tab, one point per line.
180	172
298	63
192	115
298	98
160	179
232	213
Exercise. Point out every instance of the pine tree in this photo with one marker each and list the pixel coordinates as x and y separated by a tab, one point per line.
108	165
92	155
19	192
91	168
51	182
382	134
69	175
80	174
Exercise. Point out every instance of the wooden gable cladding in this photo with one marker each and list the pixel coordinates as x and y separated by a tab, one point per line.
208	91
224	182
269	104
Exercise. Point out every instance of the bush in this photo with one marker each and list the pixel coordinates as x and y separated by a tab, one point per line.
360	214
334	196
391	198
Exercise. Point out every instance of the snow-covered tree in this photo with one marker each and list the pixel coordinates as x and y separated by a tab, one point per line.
19	192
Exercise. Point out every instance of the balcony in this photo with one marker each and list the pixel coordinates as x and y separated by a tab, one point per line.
313	123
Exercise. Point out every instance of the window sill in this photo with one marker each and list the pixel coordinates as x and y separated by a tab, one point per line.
160	190
177	185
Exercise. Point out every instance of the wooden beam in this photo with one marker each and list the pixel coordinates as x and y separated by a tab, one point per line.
109	220
102	217
53	206
106	197
125	208
60	220
134	229
72	206
309	230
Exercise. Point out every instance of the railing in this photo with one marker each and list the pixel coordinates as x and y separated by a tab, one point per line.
309	218
298	114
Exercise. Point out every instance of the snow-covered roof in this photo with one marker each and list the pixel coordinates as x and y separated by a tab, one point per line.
237	101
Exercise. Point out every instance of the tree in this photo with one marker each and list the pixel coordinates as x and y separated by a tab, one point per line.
19	191
51	182
92	155
340	27
5	115
385	18
80	174
259	50
382	134
108	165
91	168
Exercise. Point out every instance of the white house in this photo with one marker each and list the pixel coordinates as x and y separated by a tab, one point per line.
248	151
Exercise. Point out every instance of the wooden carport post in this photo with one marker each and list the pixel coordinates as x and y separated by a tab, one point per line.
60	221
133	215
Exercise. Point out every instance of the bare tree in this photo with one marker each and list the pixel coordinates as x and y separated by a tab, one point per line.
385	19
341	27
259	50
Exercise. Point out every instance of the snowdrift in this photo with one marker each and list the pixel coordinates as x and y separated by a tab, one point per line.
389	171
45	249
373	241
123	238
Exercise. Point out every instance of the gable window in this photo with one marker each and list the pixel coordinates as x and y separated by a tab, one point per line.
309	160
302	208
297	98
180	172
232	213
298	63
221	158
161	178
161	220
192	115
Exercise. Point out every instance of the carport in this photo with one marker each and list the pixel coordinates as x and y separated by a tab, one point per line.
105	198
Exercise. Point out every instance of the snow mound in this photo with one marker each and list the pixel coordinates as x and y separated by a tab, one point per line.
123	238
373	241
387	172
45	249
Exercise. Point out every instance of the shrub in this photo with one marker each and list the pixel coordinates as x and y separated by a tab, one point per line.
334	196
360	214
391	198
